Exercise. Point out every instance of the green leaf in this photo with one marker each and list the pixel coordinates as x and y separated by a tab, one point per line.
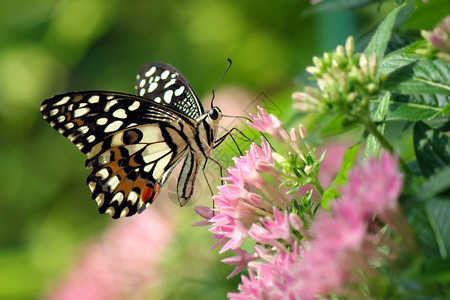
380	39
427	210
432	148
396	60
409	102
432	226
433	187
419	76
341	178
418	107
372	145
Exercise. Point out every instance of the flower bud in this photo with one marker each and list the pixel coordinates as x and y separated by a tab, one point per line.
372	88
340	51
317	62
349	47
313	70
373	64
302	131
363	63
307	169
295	221
294	135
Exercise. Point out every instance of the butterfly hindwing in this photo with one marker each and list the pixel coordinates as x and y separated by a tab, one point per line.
132	144
164	84
126	178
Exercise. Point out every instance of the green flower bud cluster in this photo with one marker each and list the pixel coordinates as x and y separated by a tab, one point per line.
345	81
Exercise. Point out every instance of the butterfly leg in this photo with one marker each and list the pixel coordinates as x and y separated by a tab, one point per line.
230	134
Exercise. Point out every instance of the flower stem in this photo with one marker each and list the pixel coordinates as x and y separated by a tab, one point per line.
317	185
370	126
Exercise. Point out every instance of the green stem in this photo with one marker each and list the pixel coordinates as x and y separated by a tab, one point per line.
370	126
317	185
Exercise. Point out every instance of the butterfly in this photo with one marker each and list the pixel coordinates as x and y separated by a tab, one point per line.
133	143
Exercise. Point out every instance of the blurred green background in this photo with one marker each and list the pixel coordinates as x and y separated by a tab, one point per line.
53	46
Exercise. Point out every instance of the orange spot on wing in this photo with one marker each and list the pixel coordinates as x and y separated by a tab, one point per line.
149	194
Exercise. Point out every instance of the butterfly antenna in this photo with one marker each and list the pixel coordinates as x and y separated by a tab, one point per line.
220	80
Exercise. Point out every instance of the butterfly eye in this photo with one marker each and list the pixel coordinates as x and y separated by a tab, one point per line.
214	113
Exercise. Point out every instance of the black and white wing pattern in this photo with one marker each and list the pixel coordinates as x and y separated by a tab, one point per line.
164	84
132	142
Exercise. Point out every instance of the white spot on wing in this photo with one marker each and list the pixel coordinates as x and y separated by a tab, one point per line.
94	99
80	112
110	104
63	101
142	82
113	182
118	197
100	199
124	212
158	100
150	71
120	114
179	91
168	96
165	74
103	173
61	118
152	87
69	125
54	111
134	106
101	121
141	92
92	185
83	129
91	138
110	211
172	81
132	197
113	126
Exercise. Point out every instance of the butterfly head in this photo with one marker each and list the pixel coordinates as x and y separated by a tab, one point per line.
214	115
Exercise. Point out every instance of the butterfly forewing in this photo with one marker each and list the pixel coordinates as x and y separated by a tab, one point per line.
164	84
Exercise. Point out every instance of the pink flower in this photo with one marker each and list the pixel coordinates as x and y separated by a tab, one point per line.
241	260
121	265
278	279
341	243
238	206
270	232
375	186
269	123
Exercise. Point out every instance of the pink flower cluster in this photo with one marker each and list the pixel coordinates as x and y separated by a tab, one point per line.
121	265
289	261
242	202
